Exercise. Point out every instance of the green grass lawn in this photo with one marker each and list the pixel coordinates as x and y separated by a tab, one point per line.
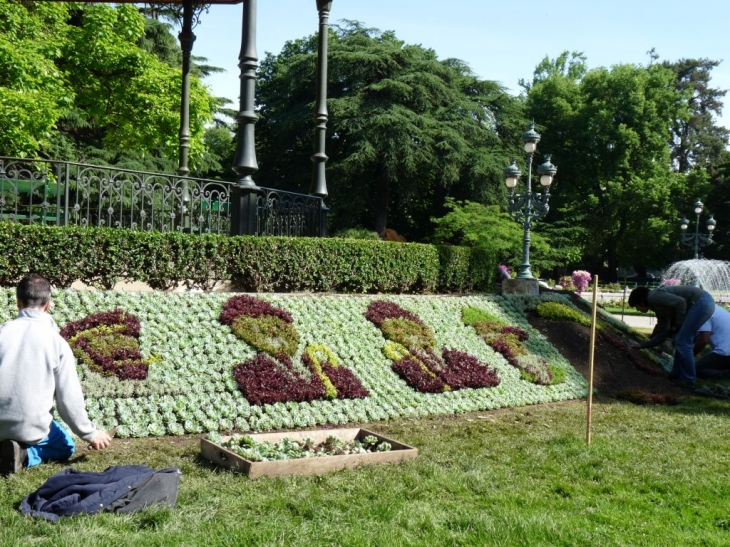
522	476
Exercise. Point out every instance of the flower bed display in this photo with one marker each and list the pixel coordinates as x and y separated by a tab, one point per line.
191	388
108	343
271	376
411	348
508	341
295	453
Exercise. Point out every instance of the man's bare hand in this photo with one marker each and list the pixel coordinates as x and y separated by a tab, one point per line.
101	440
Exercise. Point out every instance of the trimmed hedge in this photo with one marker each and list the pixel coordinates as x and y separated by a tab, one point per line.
103	256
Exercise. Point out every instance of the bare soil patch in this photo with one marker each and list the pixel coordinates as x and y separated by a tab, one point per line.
617	370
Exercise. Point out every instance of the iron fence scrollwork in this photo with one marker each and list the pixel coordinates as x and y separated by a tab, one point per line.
288	214
34	191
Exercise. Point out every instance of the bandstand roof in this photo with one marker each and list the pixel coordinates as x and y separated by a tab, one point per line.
179	2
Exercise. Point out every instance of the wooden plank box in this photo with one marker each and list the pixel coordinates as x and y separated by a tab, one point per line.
306	466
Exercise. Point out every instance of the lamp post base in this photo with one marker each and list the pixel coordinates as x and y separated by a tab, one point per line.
520	286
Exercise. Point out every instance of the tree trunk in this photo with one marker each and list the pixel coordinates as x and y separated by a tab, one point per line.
382	197
611	274
612	258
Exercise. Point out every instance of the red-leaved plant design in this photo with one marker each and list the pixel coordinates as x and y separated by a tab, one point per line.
420	366
251	306
266	380
507	340
108	343
270	377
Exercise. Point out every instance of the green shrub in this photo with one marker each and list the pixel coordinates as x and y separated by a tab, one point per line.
561	312
332	265
357	233
465	268
101	256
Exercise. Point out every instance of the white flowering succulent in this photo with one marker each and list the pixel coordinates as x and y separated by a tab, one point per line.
190	387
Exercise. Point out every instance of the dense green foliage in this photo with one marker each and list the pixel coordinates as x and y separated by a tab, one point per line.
635	145
32	91
75	84
406	129
697	142
411	138
492	231
101	257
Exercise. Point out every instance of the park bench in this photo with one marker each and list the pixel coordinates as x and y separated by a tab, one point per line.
18	203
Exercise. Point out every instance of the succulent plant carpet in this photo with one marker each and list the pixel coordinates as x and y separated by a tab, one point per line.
154	364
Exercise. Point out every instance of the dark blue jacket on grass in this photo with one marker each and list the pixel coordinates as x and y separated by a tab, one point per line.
120	489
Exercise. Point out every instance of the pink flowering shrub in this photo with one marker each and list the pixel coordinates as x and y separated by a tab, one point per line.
108	343
672	281
505	270
581	279
420	366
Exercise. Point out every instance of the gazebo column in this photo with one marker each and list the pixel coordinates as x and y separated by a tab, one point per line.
186	38
245	192
319	158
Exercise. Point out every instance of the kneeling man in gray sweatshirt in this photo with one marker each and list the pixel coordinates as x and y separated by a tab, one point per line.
37	367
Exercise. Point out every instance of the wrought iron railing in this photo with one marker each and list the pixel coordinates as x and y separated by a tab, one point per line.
64	193
288	214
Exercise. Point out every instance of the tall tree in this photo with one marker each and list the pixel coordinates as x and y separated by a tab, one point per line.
33	93
128	99
75	84
718	203
697	140
406	129
610	128
489	228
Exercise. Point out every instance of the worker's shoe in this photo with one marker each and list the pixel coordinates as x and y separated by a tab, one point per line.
718	392
13	458
713	374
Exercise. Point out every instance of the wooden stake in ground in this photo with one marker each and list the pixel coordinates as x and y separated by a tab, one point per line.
590	360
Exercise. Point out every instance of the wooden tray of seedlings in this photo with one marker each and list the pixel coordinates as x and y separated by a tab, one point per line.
254	454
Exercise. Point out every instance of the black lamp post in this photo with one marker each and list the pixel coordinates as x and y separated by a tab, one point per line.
530	206
697	239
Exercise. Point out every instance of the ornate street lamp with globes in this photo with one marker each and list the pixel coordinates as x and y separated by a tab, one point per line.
529	206
697	239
